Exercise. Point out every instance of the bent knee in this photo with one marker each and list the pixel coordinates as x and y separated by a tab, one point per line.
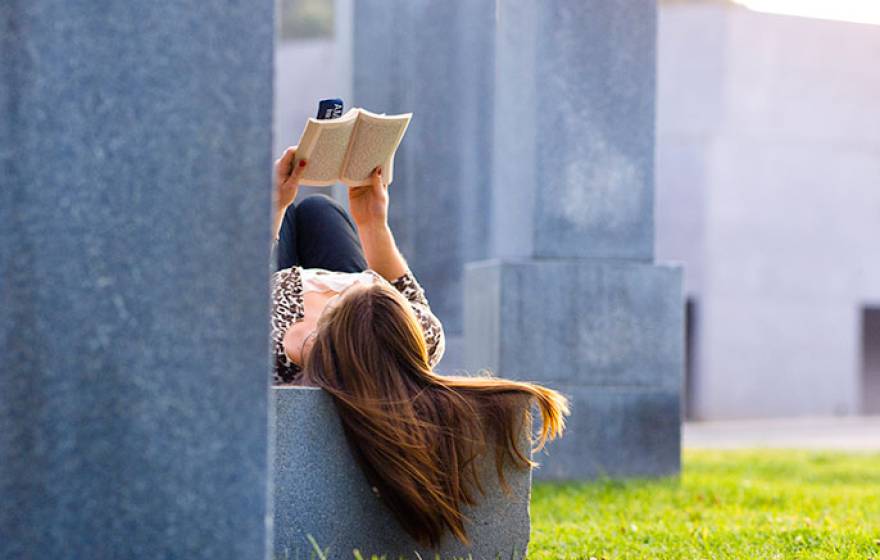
315	203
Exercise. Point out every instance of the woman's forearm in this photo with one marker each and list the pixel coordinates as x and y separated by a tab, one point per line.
381	251
279	217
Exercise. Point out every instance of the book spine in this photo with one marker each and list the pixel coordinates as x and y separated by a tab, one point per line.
349	148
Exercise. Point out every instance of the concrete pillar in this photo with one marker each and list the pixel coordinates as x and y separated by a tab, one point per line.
573	298
134	211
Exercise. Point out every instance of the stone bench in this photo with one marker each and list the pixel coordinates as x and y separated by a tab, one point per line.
320	492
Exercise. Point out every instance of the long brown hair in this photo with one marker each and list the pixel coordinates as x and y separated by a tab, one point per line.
418	434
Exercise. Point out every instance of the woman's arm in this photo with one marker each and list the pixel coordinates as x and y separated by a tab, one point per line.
286	185
369	209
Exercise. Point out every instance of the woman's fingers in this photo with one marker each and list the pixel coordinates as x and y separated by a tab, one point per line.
282	164
299	170
354	192
377	181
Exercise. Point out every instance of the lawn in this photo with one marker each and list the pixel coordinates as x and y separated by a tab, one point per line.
726	504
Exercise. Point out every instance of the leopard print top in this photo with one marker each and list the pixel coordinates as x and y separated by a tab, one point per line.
288	308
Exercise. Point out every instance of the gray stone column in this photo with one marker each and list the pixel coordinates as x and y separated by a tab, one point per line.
572	298
134	235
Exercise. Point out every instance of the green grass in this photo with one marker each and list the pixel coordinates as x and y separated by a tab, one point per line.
726	504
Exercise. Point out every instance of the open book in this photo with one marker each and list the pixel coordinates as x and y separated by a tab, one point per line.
347	149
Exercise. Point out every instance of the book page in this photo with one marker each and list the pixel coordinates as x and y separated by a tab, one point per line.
375	139
324	144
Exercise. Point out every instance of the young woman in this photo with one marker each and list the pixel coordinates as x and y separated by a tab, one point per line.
349	317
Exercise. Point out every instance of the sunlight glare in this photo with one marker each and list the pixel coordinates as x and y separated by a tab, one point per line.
858	11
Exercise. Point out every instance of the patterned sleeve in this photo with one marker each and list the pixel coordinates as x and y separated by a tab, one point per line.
287	308
431	327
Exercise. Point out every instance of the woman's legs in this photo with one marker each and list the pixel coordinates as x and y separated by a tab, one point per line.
286	248
319	233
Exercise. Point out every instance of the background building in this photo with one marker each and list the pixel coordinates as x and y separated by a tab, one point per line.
768	187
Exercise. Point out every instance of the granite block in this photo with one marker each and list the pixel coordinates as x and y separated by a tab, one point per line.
616	432
576	322
321	492
134	211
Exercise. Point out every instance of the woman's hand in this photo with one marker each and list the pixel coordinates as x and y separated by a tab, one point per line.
369	204
369	209
287	178
286	184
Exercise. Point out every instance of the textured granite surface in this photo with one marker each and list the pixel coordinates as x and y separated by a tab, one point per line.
616	432
134	212
598	322
321	492
607	333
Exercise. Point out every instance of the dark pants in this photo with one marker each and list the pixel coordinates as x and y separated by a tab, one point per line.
318	233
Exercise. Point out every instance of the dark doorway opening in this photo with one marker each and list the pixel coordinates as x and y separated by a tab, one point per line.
690	359
871	360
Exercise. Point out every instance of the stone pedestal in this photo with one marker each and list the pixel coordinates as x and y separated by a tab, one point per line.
134	234
320	492
605	333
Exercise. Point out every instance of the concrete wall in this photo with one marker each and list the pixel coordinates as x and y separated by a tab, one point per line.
768	168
